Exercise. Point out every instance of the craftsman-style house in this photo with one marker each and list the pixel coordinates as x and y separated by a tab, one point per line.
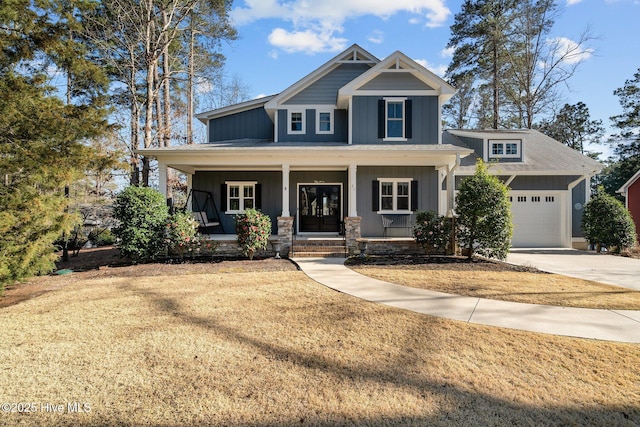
357	147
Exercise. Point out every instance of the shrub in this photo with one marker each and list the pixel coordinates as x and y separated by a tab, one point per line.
607	223
432	231
142	213
253	229
484	214
183	238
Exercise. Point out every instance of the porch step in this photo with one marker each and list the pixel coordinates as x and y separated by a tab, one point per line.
318	249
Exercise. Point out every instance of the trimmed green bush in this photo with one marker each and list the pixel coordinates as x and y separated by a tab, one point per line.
484	215
432	231
142	213
607	223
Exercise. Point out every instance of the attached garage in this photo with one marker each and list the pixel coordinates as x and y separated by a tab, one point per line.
538	219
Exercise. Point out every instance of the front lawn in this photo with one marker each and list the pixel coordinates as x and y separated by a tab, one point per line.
496	280
220	344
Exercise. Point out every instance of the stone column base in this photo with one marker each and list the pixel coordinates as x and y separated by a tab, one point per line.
352	233
285	234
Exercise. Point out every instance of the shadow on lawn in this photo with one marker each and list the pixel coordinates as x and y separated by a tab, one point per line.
458	407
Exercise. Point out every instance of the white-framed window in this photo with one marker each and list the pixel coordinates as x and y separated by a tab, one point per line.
296	122
395	116
505	148
324	122
395	195
240	196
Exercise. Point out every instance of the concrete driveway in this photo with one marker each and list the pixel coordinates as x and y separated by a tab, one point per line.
603	268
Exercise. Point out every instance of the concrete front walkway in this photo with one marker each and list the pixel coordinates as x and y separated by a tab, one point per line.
603	268
611	325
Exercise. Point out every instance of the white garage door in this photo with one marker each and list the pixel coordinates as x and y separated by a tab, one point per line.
537	220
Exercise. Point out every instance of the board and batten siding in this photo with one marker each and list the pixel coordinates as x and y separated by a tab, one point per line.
424	120
339	128
251	124
426	176
270	188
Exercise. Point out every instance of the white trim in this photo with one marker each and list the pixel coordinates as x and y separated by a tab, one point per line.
303	121
394	196
242	185
441	87
503	143
403	120
331	122
300	184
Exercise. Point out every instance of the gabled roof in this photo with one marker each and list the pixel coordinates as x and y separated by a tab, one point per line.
233	109
396	63
629	183
542	154
353	55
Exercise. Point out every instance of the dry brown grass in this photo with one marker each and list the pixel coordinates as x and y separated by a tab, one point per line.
500	282
276	348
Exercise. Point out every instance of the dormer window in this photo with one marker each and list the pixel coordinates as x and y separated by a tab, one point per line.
505	148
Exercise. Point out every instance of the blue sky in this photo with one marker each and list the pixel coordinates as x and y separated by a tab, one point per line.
282	41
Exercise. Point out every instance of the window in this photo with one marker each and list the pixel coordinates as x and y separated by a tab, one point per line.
324	122
296	122
550	199
240	196
504	148
395	194
522	199
535	199
395	119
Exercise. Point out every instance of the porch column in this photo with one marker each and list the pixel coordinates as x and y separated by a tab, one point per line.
162	178
451	185
285	191
353	191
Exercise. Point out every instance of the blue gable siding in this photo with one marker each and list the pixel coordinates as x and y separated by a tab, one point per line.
252	124
325	90
424	120
340	123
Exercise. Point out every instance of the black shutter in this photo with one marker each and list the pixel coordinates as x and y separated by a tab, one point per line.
408	120
258	190
414	195
223	197
381	118
375	195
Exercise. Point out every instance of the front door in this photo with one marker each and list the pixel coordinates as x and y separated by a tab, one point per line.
319	208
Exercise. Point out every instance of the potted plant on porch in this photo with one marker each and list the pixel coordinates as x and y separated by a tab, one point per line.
253	229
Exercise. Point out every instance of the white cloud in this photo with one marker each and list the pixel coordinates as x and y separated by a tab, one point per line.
315	23
307	41
376	37
438	70
447	52
572	2
570	51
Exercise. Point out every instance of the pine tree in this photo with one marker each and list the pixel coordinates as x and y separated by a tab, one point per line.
40	135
